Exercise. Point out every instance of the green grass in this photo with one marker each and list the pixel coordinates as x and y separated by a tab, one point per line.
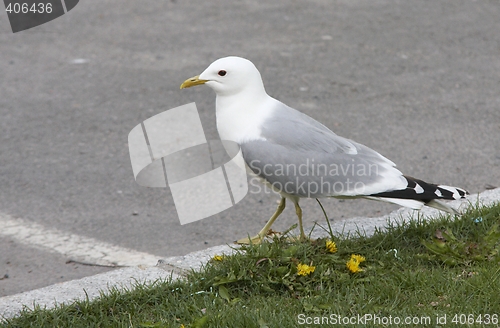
418	269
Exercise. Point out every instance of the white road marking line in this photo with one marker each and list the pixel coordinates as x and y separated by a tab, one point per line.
75	247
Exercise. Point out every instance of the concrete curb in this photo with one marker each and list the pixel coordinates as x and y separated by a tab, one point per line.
175	267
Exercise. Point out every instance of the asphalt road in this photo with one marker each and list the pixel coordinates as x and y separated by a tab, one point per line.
418	81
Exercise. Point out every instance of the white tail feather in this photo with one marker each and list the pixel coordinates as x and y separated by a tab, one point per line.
416	204
411	203
443	207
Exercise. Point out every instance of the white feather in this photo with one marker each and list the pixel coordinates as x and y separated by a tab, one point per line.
411	203
453	190
419	189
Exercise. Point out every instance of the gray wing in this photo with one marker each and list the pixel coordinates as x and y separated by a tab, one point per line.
302	157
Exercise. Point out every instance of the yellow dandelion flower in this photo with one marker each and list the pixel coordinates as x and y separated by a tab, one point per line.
304	269
358	258
331	246
353	266
218	258
354	262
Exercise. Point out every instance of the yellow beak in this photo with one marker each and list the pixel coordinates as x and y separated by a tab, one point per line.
191	82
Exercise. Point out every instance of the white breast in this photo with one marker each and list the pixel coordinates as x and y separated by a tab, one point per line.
239	122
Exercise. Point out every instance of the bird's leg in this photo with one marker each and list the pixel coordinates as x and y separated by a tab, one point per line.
262	233
326	217
298	210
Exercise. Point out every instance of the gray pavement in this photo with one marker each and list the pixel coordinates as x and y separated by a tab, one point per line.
417	81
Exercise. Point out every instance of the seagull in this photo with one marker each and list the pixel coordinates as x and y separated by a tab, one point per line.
297	156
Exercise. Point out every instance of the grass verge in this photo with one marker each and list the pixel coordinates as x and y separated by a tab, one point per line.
442	272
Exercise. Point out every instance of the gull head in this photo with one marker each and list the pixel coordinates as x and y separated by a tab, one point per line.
229	76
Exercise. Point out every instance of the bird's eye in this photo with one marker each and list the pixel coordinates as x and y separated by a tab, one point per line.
222	73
